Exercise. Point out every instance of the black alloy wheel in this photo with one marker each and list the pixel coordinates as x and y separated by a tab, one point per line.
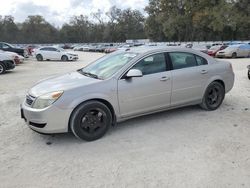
91	120
214	96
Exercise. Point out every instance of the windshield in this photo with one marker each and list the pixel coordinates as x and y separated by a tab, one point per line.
108	65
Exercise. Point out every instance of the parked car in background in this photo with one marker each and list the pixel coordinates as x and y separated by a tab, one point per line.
214	49
124	85
10	48
234	51
110	49
54	53
31	48
83	48
102	47
14	56
6	62
201	47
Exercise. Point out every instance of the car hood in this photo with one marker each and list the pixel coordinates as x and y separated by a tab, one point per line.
71	53
61	83
5	56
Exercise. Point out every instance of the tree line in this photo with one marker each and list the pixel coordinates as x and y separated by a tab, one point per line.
165	20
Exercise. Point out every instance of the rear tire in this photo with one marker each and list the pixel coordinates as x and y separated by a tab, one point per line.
39	57
213	96
2	68
248	74
64	58
91	120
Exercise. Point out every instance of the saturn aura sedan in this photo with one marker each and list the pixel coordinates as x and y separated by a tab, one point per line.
124	85
54	53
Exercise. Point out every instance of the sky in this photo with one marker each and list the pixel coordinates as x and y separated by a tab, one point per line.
58	12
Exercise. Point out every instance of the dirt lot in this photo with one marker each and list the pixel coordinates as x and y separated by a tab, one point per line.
188	147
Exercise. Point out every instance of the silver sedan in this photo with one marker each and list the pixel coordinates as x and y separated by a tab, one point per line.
124	85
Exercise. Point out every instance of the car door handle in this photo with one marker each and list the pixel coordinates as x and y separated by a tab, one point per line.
204	72
164	78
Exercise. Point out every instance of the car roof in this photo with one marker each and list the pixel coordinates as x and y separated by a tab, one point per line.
142	50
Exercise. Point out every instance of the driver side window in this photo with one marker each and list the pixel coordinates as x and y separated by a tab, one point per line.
152	64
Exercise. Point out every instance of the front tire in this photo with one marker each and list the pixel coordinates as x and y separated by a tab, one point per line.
2	68
213	96
234	55
64	58
91	120
248	74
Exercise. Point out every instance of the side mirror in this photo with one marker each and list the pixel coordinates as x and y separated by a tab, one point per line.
58	50
134	73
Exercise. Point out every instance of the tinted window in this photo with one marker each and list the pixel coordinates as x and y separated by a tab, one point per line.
201	60
182	60
152	64
52	49
5	46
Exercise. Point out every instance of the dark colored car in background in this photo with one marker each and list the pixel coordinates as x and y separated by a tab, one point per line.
8	47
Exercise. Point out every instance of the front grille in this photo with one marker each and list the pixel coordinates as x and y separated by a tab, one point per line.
29	100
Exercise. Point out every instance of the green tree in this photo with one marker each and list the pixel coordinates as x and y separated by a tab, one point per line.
36	29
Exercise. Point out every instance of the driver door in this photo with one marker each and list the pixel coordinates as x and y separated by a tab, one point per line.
148	93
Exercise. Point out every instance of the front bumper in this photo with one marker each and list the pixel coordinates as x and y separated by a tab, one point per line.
74	58
49	120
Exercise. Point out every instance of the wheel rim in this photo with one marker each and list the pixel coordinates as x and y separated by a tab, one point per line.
94	121
1	69
214	96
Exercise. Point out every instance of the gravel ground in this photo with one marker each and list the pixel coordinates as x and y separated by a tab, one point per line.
187	147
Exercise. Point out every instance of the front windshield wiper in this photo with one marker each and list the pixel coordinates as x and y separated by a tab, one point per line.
88	74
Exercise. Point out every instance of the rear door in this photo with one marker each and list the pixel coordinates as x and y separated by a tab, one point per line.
190	73
150	92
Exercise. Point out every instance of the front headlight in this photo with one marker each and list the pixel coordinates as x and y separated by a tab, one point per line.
47	99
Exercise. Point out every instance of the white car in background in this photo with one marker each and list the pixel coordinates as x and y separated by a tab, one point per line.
13	56
234	51
54	53
6	62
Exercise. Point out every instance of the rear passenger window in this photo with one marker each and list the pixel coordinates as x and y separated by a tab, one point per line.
201	60
182	60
